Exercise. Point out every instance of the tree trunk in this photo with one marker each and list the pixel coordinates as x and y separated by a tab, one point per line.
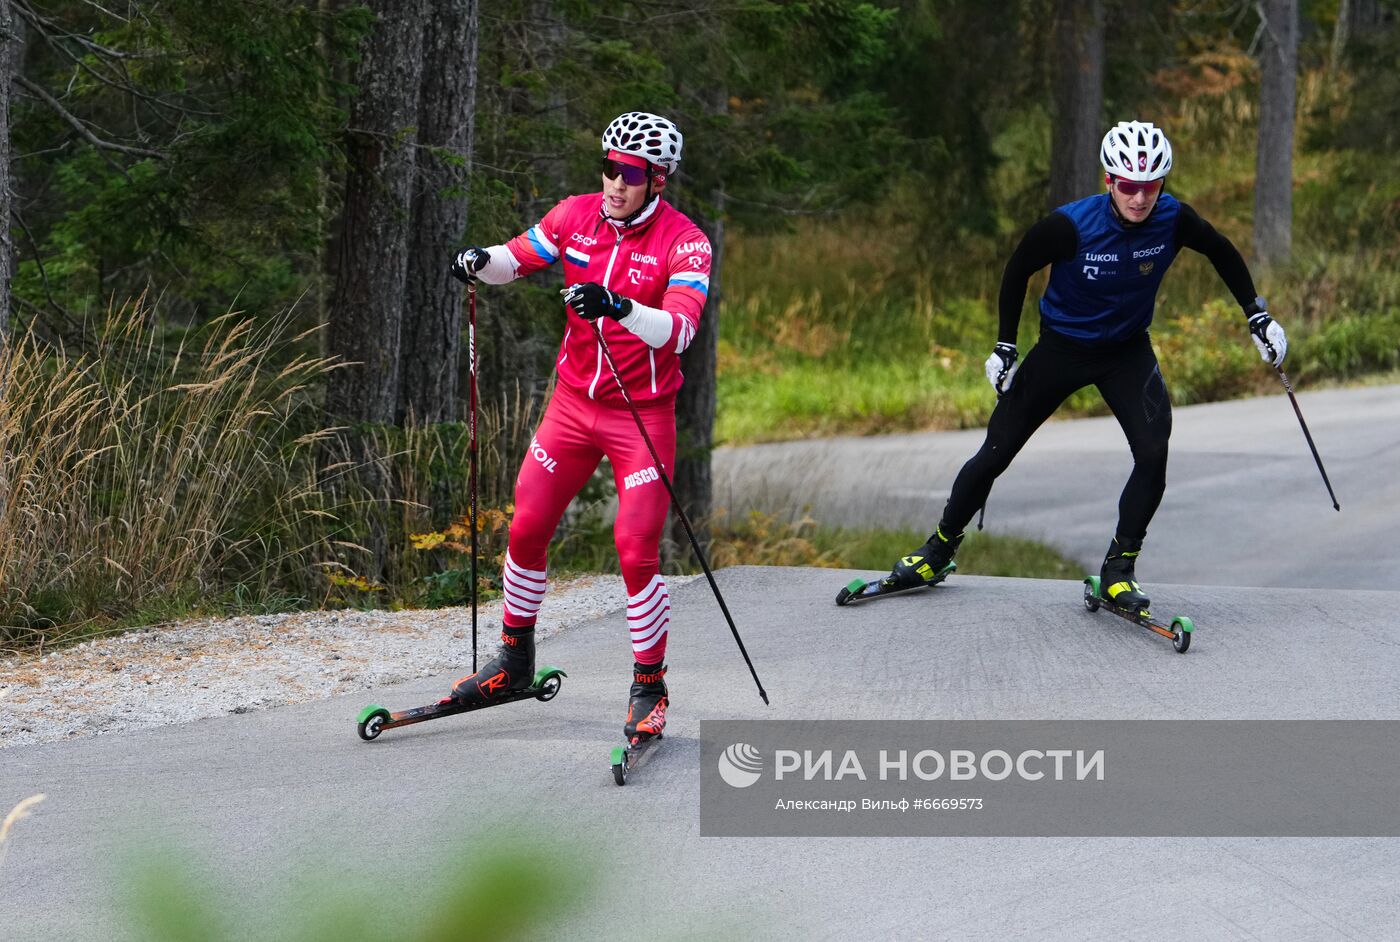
1078	53
1355	19
432	327
1273	180
10	47
327	177
518	330
366	311
695	405
549	39
371	267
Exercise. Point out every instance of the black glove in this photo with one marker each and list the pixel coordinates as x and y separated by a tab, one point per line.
468	262
591	301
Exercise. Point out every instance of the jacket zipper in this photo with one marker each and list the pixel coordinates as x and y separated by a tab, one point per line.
607	277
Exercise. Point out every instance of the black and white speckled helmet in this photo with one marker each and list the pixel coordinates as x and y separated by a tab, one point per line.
645	135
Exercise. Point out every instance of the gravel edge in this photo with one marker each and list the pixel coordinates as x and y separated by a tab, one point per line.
203	668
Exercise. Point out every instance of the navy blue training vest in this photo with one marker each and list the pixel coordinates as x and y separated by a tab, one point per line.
1107	292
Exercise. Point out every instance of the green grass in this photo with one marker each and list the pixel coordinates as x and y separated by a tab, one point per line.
980	555
871	397
771	539
767	539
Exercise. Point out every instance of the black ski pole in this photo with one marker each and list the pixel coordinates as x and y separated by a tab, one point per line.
680	512
1288	388
471	437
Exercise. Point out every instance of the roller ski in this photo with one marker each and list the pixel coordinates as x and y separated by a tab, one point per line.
1116	590
506	678
375	719
924	568
646	720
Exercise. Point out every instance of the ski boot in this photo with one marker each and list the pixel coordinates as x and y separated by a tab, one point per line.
1116	578
511	670
647	702
927	565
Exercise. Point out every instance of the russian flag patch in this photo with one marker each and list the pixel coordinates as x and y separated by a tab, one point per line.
574	255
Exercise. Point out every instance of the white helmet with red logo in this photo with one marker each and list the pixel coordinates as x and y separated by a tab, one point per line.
1137	151
649	136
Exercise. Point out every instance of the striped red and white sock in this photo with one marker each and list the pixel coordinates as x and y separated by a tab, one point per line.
524	591
648	618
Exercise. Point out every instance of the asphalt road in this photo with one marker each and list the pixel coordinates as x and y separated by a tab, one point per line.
269	801
1244	505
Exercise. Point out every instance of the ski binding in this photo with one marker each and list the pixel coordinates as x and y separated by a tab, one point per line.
859	590
1181	627
374	719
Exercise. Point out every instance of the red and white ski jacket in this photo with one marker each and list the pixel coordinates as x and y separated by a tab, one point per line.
661	262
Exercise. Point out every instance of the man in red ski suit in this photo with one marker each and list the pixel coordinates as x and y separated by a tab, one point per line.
637	269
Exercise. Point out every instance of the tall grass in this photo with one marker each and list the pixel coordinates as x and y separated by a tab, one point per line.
151	469
400	482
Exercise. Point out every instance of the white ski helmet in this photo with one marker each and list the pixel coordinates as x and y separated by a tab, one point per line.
1137	151
649	136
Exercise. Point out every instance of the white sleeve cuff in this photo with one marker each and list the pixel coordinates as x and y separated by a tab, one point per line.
651	324
501	267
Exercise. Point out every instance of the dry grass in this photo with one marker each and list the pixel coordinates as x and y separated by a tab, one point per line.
386	483
141	468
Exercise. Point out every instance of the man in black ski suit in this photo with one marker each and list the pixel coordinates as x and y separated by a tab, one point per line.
1107	255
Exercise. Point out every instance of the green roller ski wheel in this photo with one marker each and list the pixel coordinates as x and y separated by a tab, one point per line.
548	680
854	587
1091	593
1182	628
619	765
372	720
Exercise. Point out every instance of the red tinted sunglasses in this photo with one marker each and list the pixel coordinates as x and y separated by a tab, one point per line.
1132	188
632	176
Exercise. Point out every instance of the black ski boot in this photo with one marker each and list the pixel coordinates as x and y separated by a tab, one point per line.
927	565
647	702
1117	582
512	669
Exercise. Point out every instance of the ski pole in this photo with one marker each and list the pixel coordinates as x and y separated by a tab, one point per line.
675	502
1288	388
471	436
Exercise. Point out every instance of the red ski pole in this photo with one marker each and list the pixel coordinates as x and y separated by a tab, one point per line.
471	437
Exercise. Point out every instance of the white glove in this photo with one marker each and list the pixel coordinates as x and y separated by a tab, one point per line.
1001	367
1268	336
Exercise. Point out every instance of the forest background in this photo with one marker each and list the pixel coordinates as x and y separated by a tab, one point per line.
234	365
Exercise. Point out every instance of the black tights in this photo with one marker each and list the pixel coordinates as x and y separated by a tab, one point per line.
1130	381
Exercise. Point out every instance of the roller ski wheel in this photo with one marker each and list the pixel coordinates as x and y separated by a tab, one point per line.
374	719
861	590
1179	634
626	758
